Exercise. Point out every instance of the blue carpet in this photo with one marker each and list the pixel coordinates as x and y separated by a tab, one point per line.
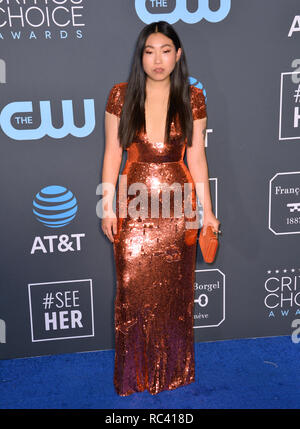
246	373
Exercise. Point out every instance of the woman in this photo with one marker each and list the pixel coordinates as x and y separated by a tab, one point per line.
155	116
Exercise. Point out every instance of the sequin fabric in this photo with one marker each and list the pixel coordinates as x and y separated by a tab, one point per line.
155	266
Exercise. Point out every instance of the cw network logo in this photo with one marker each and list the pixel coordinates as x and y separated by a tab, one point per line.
8	117
147	11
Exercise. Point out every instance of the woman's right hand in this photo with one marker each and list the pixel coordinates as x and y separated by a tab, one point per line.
109	225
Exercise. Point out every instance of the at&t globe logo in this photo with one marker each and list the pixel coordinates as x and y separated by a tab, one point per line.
55	206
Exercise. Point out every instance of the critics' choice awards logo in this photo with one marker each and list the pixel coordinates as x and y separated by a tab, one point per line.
175	10
284	203
282	292
41	18
55	207
61	310
209	298
289	112
18	123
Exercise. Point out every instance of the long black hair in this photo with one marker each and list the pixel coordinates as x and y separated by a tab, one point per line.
132	117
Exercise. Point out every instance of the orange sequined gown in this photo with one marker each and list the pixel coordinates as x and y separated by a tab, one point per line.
155	267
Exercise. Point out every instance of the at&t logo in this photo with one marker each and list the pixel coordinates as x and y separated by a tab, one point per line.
55	207
143	9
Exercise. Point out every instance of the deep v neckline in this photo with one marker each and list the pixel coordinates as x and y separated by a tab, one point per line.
146	133
147	137
152	143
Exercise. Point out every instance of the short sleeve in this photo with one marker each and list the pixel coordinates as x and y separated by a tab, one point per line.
113	104
198	103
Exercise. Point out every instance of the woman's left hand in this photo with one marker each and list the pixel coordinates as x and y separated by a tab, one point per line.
209	219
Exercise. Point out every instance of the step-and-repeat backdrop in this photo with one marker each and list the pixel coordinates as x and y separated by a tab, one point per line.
58	61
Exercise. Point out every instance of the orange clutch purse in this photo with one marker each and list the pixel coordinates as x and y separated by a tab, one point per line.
209	244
